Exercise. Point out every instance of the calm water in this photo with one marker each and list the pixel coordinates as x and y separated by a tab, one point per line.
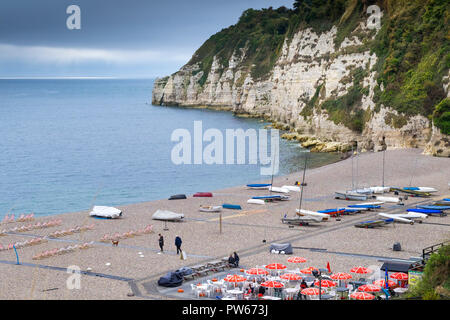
68	144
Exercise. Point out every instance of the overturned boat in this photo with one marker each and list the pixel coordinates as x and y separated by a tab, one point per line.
178	197
105	212
210	208
166	215
350	196
259	186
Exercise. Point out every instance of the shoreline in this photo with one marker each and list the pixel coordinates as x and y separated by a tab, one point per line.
306	141
343	245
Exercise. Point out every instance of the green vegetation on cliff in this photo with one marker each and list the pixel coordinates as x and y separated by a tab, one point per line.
412	47
435	282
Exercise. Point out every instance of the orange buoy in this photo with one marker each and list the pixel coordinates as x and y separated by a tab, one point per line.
180	290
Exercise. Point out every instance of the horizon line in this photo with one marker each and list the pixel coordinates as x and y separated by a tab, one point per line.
77	78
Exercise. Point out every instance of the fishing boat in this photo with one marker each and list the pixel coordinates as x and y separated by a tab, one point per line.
259	186
178	197
350	196
166	215
203	194
255	201
231	206
210	208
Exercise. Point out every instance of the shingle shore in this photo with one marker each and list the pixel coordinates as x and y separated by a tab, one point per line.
242	231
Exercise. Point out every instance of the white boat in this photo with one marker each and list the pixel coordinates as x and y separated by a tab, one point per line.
105	212
210	208
255	201
421	189
409	217
292	188
350	196
278	189
167	215
389	199
374	203
303	212
366	191
380	190
305	220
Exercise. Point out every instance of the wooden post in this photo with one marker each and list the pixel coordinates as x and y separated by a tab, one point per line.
220	222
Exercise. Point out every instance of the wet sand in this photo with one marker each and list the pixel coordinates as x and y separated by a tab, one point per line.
340	243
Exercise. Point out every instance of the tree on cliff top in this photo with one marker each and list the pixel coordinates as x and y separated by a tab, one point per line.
310	10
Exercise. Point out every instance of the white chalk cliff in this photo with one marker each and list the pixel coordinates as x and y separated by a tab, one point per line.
309	65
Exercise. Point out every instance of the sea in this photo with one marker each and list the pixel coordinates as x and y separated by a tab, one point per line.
69	144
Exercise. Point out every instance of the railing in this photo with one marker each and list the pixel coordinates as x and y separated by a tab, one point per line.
426	252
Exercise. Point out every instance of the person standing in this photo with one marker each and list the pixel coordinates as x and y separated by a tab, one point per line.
178	243
161	242
236	259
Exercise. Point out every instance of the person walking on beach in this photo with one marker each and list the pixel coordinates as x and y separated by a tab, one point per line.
178	243
161	242
236	259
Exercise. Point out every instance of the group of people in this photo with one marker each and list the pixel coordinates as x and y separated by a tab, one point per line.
178	243
233	260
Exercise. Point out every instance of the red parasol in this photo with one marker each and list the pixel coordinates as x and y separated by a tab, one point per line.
369	288
311	291
308	270
291	276
325	283
257	271
362	296
341	276
399	276
272	284
235	278
382	283
361	270
276	266
296	260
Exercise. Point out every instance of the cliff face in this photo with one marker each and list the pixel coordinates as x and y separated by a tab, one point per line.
315	87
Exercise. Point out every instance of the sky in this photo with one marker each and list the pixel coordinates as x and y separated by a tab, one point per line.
117	38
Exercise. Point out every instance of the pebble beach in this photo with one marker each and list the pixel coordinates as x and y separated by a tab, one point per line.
131	269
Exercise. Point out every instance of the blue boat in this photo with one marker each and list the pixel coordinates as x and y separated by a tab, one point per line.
267	197
447	199
259	185
231	206
368	206
435	207
351	211
427	211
